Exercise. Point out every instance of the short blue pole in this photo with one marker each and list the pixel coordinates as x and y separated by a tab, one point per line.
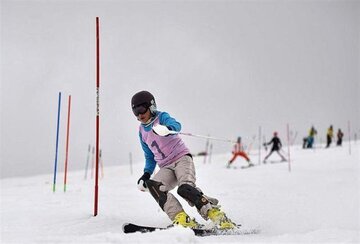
57	141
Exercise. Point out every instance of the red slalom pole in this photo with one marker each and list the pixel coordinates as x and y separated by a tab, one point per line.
97	116
67	142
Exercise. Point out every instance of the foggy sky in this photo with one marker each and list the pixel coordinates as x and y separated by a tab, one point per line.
221	68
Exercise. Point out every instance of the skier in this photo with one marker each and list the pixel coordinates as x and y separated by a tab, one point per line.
309	140
329	136
168	151
239	151
340	136
276	146
312	133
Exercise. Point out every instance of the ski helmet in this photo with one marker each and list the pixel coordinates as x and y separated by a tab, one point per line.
142	101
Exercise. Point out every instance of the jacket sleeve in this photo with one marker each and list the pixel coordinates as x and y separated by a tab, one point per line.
150	163
169	122
270	142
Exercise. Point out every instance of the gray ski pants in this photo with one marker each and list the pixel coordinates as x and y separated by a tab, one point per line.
178	173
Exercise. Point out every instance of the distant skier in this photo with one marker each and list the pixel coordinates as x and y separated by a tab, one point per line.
276	146
340	136
309	140
177	169
239	151
329	136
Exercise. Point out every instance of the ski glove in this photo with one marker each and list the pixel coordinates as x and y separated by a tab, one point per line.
141	182
161	130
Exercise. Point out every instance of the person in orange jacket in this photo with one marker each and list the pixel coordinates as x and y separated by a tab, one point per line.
239	151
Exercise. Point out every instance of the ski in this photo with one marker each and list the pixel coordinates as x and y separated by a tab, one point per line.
218	232
241	167
247	166
277	162
133	228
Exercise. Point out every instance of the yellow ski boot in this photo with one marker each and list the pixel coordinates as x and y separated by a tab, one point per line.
220	219
182	219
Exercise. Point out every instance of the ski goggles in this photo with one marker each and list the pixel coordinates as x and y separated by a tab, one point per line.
140	109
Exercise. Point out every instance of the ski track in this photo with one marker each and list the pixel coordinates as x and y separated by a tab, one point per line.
317	202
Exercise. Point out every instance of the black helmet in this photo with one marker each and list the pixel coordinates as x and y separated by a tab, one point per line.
142	101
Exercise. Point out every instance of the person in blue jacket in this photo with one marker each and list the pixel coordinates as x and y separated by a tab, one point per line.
163	146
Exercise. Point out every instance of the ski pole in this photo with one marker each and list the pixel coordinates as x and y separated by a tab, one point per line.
202	136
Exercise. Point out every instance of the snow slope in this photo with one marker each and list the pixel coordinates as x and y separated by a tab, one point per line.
317	202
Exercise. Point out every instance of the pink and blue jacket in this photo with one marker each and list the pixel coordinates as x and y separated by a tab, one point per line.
161	150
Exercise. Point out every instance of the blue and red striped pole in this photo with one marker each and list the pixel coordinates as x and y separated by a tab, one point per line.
57	141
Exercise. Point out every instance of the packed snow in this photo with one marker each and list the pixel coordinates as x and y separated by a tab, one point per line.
318	201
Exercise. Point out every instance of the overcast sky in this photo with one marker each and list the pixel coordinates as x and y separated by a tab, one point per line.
221	68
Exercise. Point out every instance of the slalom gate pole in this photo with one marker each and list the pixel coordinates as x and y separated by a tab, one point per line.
355	137
130	161
349	131
259	145
67	142
206	150
101	164
92	163
294	138
97	116
87	162
288	140
210	152
250	145
57	141
264	140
